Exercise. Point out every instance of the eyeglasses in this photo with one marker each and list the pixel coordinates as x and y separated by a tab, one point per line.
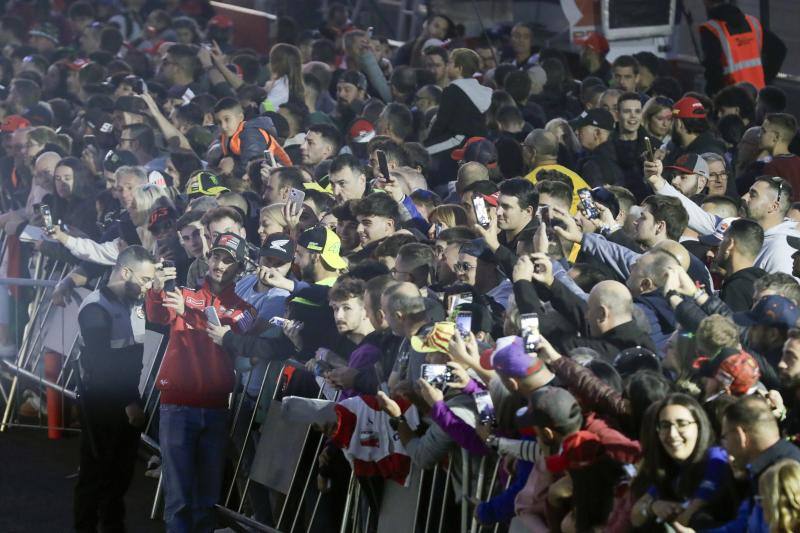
395	272
665	426
143	282
776	180
464	267
717	176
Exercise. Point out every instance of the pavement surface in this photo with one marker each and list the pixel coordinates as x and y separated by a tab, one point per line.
37	481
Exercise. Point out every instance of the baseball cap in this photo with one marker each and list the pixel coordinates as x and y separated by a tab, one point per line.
221	21
14	122
361	131
436	339
551	407
510	359
594	117
492	199
354	77
115	159
478	248
130	104
739	372
713	239
46	30
279	246
773	311
631	360
160	216
579	450
689	107
601	195
478	149
39	114
77	64
322	240
233	244
690	164
99	120
308	410
597	42
204	183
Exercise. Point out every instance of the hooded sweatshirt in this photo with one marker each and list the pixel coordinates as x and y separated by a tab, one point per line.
460	116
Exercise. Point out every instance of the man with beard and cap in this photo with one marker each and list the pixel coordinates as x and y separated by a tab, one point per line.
112	328
691	130
195	379
351	94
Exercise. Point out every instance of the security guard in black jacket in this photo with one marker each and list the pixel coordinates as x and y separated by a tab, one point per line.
112	328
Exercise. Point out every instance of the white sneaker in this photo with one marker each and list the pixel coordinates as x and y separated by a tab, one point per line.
153	472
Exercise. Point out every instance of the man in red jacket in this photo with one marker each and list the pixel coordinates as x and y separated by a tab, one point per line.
195	379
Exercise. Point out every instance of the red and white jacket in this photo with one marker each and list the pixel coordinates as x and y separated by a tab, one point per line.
369	443
195	371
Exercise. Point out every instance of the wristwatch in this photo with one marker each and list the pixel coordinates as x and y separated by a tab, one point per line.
672	293
394	422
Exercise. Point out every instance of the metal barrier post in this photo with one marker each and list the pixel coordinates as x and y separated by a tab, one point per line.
479	491
249	429
52	366
348	502
27	343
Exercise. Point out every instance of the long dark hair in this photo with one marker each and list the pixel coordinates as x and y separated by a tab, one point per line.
593	492
285	59
84	186
643	389
660	469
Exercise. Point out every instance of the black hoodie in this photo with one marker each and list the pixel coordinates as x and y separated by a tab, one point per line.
600	167
772	53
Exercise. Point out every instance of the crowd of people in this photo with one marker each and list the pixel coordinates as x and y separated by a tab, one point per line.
485	246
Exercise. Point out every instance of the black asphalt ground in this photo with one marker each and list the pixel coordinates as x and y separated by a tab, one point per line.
36	485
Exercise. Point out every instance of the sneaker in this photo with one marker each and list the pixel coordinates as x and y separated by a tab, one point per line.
153	472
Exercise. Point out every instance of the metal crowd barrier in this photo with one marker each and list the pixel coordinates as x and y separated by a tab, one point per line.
273	453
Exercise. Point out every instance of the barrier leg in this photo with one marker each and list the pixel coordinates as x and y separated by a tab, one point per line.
52	368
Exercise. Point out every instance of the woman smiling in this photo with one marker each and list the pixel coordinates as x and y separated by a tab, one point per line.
684	477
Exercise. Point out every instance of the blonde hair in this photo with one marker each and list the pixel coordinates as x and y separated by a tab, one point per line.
449	215
274	213
714	333
44	135
779	488
144	197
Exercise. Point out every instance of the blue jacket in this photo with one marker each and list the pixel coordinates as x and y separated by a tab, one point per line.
500	509
750	518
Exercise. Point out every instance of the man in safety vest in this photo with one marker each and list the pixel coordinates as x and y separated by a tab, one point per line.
736	49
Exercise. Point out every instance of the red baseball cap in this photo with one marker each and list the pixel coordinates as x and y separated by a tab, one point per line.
689	107
361	131
739	372
14	122
77	64
492	199
597	42
221	21
579	450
